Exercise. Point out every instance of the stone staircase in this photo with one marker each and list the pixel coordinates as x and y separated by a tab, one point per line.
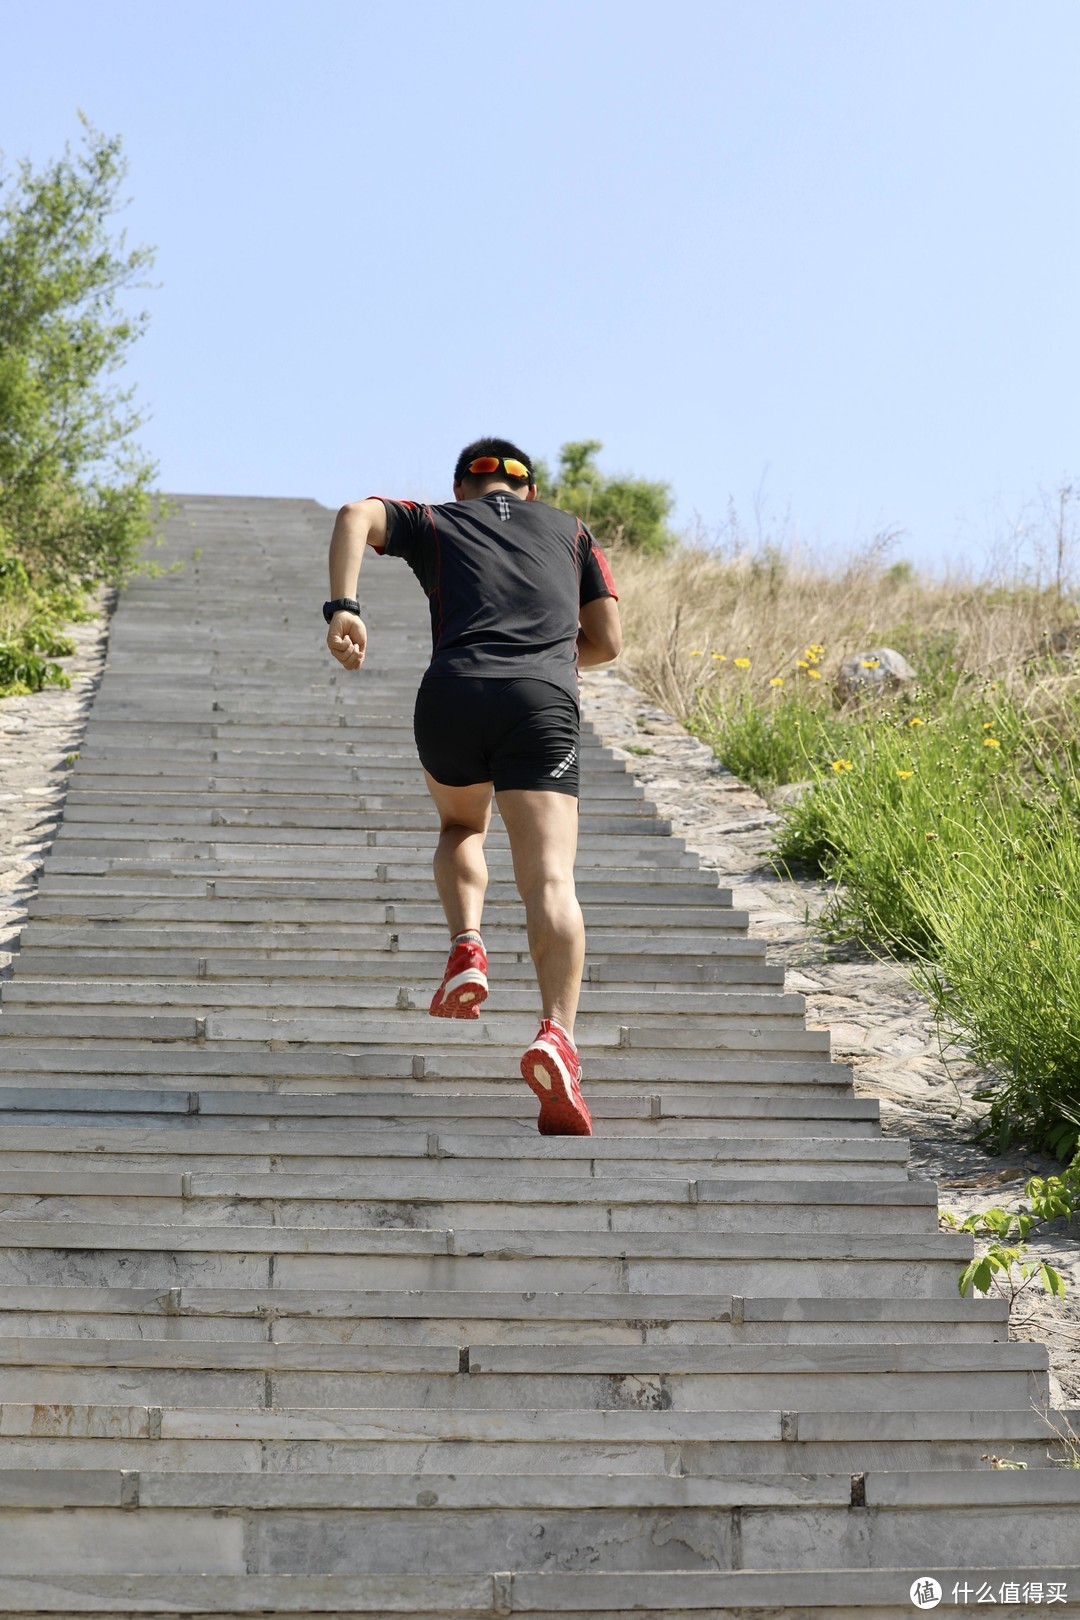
300	1316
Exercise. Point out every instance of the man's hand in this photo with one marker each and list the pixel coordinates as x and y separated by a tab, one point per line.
347	639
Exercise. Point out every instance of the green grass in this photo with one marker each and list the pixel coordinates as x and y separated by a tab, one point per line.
948	821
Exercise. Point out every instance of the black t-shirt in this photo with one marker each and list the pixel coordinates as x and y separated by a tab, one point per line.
505	579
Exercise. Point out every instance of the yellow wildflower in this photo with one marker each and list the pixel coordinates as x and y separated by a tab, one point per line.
915	721
800	663
991	742
903	775
1034	944
742	663
870	663
814	674
697	652
839	765
777	680
719	658
988	725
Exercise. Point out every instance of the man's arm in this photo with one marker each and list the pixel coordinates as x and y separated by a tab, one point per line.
600	636
357	525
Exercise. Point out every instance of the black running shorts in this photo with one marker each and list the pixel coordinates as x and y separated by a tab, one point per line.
514	733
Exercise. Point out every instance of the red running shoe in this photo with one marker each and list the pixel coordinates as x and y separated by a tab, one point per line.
552	1069
464	984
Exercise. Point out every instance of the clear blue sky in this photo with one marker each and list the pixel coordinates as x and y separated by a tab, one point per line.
823	249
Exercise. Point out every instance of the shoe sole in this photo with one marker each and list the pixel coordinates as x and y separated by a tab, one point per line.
462	997
546	1078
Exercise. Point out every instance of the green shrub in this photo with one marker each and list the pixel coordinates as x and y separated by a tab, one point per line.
630	511
767	740
75	500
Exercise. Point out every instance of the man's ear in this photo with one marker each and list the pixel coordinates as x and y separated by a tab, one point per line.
530	493
459	492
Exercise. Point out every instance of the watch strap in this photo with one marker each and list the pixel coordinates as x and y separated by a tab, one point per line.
340	604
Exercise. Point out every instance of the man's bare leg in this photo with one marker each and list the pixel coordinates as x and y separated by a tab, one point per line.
459	866
543	829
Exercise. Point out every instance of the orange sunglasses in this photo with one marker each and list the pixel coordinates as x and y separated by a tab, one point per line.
490	464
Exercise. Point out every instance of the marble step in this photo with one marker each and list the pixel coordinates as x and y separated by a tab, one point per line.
325	1202
484	1112
72	857
81	1112
594	1443
652	1377
264	787
365	966
381	736
448	1396
440	1152
611	1072
457	1317
607	944
203	912
506	1033
150	987
692	898
134	866
438	1526
873	1594
33	1251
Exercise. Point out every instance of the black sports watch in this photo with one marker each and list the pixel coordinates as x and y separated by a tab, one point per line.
340	604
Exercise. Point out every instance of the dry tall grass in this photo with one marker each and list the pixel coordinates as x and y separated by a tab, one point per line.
679	611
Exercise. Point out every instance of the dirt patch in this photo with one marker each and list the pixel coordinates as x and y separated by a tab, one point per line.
38	734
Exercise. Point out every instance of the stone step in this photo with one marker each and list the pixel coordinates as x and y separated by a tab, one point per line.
607	947
484	1112
462	1316
766	1367
508	1033
202	913
725	1007
197	790
230	1391
452	1152
611	1072
593	1443
189	1121
255	867
880	1593
60	963
461	1527
233	1256
701	1249
74	857
602	1203
351	787
691	902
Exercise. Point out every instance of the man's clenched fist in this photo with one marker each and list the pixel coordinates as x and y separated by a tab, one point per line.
347	639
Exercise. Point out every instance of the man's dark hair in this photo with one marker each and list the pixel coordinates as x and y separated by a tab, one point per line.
491	447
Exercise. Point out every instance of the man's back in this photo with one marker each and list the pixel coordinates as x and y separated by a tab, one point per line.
506	580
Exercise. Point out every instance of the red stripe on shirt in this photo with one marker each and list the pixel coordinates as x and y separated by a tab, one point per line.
380	551
438	578
605	571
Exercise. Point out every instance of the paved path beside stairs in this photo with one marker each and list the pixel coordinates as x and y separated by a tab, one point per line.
298	1313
